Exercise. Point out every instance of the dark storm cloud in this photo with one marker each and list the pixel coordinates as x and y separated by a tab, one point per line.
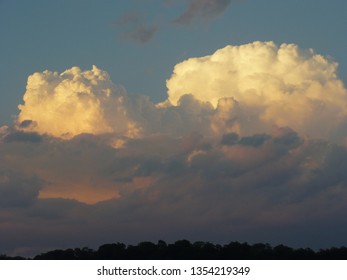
204	9
26	124
17	190
191	187
254	140
20	136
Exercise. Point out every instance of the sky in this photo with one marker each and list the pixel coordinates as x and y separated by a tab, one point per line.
212	120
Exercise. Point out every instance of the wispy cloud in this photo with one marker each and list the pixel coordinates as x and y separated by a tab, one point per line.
141	33
135	29
204	9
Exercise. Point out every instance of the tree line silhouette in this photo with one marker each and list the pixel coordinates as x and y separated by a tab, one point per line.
185	250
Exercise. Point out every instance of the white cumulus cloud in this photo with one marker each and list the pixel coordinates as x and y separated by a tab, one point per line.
268	85
74	102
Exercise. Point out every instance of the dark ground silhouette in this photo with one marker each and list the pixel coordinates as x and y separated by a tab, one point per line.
185	250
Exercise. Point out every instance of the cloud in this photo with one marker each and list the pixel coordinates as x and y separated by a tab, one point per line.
87	102
254	140
232	154
141	33
19	136
139	28
204	9
4	131
264	85
135	29
74	102
161	186
17	190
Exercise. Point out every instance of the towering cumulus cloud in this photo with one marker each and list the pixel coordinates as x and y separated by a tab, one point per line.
268	85
232	154
74	102
244	89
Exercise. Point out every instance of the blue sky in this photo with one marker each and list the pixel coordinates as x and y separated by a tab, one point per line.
56	35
